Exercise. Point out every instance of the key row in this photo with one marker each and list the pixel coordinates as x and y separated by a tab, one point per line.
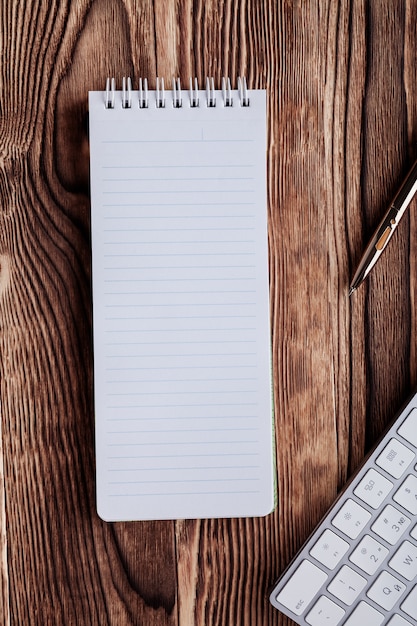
389	525
368	555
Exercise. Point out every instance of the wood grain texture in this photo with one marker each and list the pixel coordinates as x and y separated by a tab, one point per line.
342	130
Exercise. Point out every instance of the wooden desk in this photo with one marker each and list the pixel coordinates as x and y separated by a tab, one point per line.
342	133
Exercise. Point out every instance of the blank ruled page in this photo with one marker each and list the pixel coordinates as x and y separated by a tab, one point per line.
181	310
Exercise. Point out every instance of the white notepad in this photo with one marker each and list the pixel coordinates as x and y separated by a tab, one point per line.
182	374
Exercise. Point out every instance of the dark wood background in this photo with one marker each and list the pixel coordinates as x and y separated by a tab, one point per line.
342	107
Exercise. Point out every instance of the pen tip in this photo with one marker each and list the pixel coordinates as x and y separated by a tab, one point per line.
351	290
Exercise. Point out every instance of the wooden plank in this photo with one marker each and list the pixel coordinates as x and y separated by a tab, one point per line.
410	64
4	566
385	164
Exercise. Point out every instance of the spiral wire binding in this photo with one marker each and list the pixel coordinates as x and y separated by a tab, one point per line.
194	99
110	93
227	93
210	93
177	102
127	93
160	93
176	93
243	92
143	94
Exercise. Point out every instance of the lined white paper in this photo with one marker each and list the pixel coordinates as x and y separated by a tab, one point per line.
181	310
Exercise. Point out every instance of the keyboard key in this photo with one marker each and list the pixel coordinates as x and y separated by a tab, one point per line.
409	605
301	588
413	532
397	620
369	555
351	519
325	612
408	428
391	524
386	590
329	549
406	495
395	458
347	585
365	615
404	561
373	488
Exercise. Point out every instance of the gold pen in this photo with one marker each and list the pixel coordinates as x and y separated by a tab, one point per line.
383	233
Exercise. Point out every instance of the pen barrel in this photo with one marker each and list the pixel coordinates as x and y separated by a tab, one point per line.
386	228
406	191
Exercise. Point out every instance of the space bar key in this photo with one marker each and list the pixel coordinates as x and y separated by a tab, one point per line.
301	588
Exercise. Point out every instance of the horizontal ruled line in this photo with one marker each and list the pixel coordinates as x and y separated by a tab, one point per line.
178	242
176	141
183	166
179	343
184	456
131	394
179	493
192	204
178	330
194	367
176	280
166	406
178	217
178	267
181	443
187	317
181	430
193	254
174	192
176	304
164	179
176	292
170	230
188	354
191	417
181	380
180	468
182	482
167	293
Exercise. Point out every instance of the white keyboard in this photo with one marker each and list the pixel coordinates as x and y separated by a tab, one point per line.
359	567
